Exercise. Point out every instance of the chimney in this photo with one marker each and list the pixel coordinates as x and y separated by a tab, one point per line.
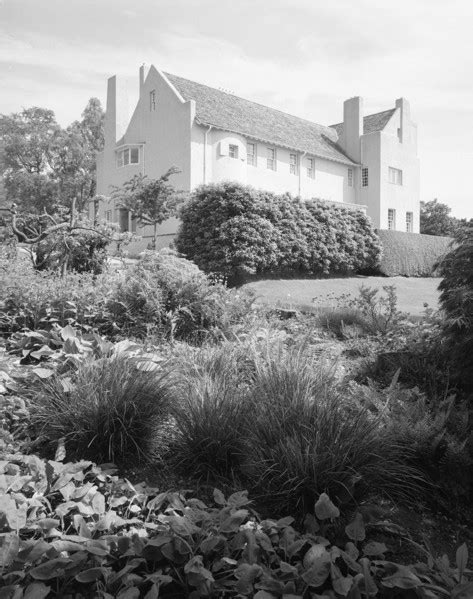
352	127
142	78
116	115
405	110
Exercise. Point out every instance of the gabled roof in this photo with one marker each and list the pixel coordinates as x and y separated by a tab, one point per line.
371	123
231	113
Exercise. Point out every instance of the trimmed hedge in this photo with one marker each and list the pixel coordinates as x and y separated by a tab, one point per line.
236	230
411	254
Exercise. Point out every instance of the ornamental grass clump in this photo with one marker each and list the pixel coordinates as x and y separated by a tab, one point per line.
107	411
304	438
210	412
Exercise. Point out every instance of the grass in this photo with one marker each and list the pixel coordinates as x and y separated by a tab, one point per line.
108	412
412	293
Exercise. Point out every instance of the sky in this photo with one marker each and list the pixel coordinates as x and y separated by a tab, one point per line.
304	57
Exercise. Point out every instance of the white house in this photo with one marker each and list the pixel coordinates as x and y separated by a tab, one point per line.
367	163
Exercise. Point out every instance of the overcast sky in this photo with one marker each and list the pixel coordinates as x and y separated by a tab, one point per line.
301	56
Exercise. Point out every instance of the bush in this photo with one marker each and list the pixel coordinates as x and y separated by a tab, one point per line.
411	254
169	295
238	231
107	411
456	300
306	438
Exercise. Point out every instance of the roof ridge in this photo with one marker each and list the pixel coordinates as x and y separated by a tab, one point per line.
368	115
251	101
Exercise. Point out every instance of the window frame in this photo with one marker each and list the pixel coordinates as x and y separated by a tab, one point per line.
271	161
233	151
108	216
124	155
391	221
293	164
350	177
394	175
409	222
365	177
152	100
251	157
310	169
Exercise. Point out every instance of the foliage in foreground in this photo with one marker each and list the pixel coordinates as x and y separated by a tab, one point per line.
107	410
74	528
235	230
456	299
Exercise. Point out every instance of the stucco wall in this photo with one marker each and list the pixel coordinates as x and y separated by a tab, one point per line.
164	139
330	181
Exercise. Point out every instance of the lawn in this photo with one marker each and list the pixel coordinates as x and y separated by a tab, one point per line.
412	293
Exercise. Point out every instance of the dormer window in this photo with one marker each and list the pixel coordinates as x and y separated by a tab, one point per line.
130	155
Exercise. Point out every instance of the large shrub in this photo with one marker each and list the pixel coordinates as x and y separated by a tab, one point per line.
167	294
236	230
456	300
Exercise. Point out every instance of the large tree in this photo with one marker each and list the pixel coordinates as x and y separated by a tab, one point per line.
435	219
150	201
45	166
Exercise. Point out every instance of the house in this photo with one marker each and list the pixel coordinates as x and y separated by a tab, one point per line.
366	163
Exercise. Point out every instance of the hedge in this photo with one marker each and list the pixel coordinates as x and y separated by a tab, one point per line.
237	231
411	254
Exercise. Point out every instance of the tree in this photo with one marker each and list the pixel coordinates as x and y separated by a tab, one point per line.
63	241
151	201
435	219
45	166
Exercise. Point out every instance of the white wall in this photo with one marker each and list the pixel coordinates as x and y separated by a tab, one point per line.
330	181
384	149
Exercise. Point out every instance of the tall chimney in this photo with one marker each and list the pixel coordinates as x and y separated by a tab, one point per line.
352	127
405	110
116	115
142	78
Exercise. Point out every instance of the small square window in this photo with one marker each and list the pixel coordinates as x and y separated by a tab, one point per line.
126	156
251	154
152	100
350	177
271	159
364	177
293	164
409	222
311	168
391	219
395	176
233	151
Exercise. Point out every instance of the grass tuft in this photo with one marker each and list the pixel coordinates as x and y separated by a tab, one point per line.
108	411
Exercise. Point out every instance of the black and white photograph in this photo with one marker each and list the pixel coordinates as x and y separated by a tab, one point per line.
236	299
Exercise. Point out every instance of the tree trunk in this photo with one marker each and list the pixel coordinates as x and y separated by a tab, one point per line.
155	236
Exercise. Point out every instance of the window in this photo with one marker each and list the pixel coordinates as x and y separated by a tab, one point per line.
395	176
364	177
271	159
391	219
128	156
108	216
350	177
409	222
152	100
233	151
251	154
293	164
311	168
